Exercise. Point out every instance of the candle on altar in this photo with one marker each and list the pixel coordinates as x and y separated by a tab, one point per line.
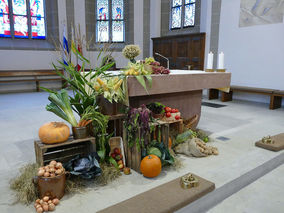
221	61
210	60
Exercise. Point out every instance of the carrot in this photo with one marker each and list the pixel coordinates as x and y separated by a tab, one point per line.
89	121
80	123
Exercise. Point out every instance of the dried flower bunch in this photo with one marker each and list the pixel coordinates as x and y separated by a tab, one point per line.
131	51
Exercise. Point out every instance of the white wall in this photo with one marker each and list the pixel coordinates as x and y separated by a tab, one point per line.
254	55
155	22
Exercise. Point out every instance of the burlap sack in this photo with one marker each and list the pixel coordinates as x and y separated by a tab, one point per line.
193	149
189	148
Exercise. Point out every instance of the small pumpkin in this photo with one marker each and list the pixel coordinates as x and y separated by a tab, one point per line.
151	166
54	132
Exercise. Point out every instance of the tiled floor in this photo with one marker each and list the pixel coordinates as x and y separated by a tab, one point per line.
242	122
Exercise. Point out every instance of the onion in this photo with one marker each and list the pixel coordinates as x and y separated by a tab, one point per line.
52	170
37	200
52	175
45	198
49	202
46	174
41	202
53	162
58	171
39	210
51	207
55	201
45	207
58	166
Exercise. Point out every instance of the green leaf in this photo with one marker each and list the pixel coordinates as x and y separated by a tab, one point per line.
149	78
141	80
113	162
101	154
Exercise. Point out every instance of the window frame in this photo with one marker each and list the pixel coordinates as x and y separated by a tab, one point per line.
29	23
182	15
110	21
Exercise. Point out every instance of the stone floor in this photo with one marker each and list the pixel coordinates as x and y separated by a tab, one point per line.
234	128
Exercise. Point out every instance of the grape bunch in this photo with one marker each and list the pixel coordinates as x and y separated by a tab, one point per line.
157	69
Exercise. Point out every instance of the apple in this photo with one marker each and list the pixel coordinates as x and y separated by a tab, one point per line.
168	114
127	171
177	117
116	151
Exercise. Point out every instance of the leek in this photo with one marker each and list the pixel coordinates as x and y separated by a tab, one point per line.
61	106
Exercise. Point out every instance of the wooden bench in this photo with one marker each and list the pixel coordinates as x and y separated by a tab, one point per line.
277	99
34	76
275	95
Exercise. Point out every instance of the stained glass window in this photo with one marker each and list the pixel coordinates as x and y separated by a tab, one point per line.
110	21
22	20
4	19
176	17
182	13
37	19
177	3
189	13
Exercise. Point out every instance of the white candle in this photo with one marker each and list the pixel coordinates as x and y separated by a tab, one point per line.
210	60
221	61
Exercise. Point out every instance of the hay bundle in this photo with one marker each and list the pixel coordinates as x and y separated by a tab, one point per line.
26	192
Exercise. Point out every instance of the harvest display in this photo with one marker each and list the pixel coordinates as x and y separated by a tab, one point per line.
150	139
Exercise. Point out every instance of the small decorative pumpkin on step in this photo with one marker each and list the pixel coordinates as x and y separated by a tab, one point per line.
151	166
54	132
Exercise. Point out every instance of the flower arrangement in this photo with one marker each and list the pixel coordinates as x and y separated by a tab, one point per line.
131	52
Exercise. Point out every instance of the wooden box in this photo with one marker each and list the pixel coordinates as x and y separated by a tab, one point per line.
63	152
133	154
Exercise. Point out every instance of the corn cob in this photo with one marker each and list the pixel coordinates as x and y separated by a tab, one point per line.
100	82
118	84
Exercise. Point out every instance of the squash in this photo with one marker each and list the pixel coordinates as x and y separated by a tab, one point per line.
151	166
54	132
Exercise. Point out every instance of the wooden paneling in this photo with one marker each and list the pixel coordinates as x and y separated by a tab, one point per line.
182	50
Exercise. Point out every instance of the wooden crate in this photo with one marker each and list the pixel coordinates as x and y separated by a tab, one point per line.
133	154
63	152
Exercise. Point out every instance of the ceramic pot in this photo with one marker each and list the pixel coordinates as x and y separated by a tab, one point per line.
80	132
51	186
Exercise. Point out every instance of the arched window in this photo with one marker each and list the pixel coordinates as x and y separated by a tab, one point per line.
182	13
22	19
110	25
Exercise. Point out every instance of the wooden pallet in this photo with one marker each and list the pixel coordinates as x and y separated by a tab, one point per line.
133	154
63	152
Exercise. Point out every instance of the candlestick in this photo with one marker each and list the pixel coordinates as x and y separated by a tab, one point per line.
221	61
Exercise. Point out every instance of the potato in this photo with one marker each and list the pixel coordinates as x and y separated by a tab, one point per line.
45	198
40	172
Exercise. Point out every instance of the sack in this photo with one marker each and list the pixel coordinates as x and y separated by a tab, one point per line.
193	149
84	167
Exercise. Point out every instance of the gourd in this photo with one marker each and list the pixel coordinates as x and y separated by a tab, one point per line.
151	166
54	132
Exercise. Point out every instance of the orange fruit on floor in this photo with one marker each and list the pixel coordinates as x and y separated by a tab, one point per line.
54	132
151	166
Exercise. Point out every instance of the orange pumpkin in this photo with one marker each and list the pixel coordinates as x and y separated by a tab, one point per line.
54	132
151	166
